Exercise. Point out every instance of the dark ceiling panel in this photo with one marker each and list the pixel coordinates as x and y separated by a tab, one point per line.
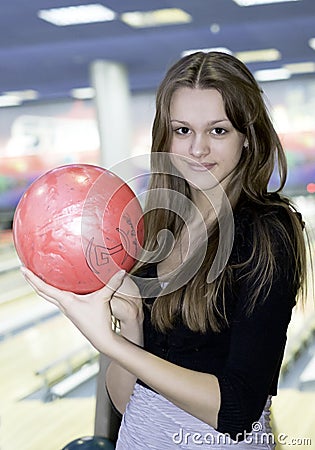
37	55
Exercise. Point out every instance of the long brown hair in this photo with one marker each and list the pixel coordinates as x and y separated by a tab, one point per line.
202	304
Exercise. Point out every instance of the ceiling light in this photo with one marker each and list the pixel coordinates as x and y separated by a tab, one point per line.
9	100
272	74
158	17
83	93
260	2
215	28
73	15
207	50
299	68
27	94
270	54
311	43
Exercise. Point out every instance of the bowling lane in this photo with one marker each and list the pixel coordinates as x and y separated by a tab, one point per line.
16	295
27	423
20	307
11	280
13	286
293	415
34	425
31	424
30	351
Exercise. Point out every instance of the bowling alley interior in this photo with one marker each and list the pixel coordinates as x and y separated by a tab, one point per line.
80	89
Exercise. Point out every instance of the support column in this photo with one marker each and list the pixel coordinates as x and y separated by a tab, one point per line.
112	99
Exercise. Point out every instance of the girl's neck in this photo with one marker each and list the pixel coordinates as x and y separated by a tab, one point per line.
209	203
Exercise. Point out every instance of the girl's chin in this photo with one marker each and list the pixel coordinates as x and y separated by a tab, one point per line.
202	181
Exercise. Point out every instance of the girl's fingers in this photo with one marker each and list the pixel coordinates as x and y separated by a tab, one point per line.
37	283
43	289
111	287
56	295
68	301
128	290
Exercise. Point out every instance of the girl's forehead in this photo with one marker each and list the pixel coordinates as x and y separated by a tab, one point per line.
197	102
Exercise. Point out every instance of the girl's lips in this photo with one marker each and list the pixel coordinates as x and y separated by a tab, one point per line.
201	167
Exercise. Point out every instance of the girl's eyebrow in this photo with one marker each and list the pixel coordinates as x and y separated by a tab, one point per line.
180	121
211	123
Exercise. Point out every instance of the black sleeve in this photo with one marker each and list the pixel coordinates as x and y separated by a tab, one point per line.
256	347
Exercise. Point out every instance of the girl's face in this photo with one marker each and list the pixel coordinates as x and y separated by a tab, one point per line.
204	141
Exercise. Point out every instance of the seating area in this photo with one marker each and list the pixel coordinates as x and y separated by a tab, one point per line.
65	374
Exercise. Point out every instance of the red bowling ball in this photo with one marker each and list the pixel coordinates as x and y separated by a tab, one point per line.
76	226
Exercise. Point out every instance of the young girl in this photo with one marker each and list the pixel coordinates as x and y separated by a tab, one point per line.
203	321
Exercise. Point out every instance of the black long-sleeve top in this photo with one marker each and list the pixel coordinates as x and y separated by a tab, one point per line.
246	355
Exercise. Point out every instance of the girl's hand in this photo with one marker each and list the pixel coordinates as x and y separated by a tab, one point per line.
126	303
90	313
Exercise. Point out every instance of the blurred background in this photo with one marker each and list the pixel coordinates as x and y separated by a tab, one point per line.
77	84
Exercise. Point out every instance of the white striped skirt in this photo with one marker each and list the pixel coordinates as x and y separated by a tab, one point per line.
153	422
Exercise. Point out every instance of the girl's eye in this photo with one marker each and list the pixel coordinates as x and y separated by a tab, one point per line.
218	131
182	130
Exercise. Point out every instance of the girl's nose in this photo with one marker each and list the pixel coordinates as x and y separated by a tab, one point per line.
199	146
